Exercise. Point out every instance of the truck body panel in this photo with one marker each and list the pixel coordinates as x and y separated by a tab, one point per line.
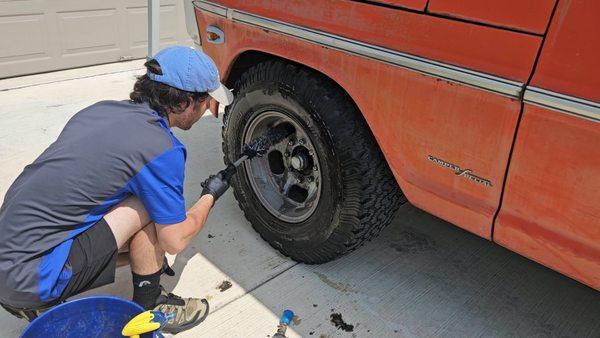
450	107
487	49
412	4
530	16
551	206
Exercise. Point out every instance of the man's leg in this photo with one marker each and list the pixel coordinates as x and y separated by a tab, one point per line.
131	226
126	219
146	258
145	254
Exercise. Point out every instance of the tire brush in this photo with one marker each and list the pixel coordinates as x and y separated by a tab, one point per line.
260	145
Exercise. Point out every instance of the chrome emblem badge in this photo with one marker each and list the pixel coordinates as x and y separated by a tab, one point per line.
466	173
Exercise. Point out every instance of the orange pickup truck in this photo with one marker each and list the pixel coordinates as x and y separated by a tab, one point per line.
483	113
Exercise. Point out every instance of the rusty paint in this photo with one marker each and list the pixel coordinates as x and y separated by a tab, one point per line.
412	4
490	50
557	157
569	62
550	212
529	16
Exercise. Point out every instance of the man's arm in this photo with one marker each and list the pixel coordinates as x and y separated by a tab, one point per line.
173	238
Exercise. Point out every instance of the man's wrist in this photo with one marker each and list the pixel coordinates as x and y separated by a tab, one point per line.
207	198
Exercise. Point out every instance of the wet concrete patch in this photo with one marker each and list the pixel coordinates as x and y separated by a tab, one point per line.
411	241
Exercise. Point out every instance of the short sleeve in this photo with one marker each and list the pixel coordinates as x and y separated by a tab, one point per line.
159	186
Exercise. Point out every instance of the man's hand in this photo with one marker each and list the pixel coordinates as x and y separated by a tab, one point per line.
216	185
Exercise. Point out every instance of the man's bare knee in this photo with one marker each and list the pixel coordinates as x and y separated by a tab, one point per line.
126	219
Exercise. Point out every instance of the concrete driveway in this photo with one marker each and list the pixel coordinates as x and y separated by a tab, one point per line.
421	277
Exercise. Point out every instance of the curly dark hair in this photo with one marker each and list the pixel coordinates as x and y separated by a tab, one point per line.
161	97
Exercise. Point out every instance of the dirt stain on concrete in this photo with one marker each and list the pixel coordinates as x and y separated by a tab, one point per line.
340	324
336	285
224	286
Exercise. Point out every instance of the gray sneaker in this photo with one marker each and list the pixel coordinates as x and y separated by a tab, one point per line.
189	312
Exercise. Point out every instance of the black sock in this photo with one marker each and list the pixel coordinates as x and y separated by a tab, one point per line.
146	289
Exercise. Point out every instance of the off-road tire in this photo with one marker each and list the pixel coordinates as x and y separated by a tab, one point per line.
360	195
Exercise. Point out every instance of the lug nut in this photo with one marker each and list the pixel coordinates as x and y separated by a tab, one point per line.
315	168
311	153
286	154
310	179
301	141
291	143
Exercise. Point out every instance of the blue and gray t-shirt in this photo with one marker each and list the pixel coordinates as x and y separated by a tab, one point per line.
106	153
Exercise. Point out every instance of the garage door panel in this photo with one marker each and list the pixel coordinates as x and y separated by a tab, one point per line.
46	35
21	7
64	6
13	47
138	28
89	31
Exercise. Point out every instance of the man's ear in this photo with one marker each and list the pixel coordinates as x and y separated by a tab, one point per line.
214	107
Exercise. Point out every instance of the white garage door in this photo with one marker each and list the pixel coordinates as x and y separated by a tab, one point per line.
44	35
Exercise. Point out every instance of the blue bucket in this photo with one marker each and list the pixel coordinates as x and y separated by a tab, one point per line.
97	316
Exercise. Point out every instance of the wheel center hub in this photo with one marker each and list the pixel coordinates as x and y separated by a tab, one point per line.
298	162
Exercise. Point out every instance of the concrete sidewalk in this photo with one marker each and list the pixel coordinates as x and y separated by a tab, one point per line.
421	277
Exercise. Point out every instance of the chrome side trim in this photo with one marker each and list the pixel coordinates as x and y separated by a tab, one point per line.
421	65
211	7
564	103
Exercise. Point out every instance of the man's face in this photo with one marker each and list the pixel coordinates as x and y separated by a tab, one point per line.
190	115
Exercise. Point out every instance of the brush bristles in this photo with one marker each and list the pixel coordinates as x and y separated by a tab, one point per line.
261	144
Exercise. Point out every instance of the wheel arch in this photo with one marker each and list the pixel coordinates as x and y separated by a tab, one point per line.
249	58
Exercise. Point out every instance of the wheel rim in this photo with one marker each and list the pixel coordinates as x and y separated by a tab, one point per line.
287	180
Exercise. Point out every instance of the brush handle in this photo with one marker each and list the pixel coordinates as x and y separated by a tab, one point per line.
240	161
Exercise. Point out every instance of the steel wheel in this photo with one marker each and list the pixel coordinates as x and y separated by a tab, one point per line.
287	180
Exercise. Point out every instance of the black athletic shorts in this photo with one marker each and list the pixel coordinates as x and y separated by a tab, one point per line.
93	260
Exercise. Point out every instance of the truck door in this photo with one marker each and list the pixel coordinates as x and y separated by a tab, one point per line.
449	144
551	206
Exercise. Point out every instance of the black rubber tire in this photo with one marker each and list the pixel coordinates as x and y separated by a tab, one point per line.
359	193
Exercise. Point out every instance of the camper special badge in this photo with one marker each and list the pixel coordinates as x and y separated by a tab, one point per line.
466	173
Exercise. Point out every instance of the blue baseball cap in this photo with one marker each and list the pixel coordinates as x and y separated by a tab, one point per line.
191	70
